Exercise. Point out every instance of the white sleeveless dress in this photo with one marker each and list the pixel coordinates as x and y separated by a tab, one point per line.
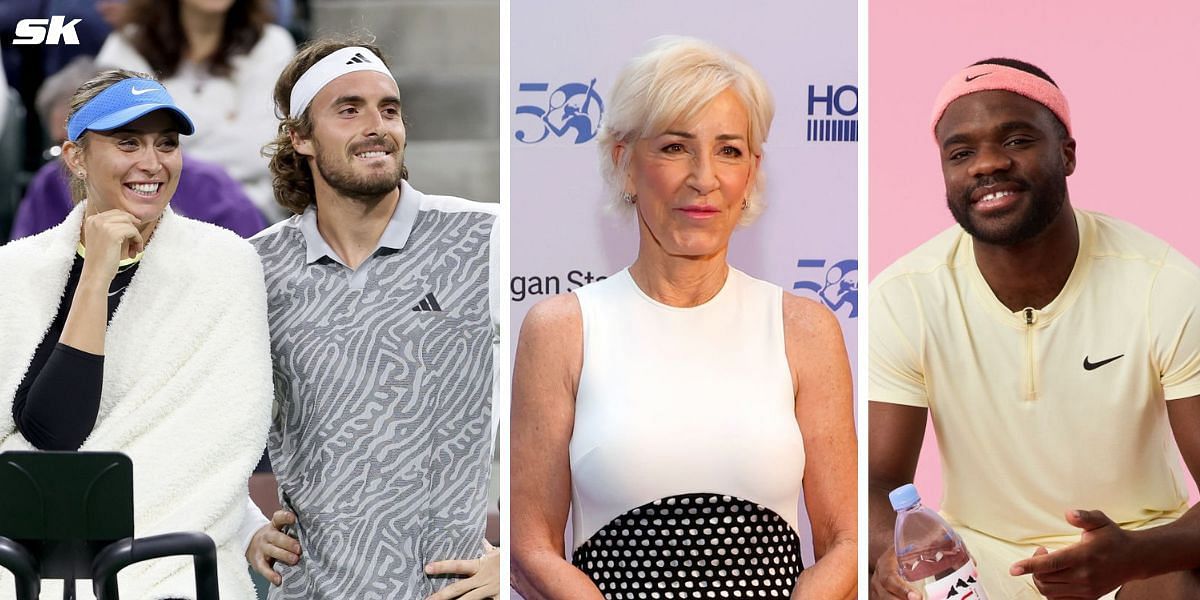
686	458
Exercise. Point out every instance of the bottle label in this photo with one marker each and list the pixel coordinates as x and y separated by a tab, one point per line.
962	584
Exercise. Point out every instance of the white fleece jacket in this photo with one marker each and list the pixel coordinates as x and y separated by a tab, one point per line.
187	386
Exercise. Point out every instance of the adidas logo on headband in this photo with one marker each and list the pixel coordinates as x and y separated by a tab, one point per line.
338	63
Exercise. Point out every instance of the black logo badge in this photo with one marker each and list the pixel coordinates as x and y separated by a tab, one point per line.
1091	366
971	78
428	304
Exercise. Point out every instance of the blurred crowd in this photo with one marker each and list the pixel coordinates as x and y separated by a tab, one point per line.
218	58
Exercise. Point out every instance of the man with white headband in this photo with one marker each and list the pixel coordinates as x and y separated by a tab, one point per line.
383	328
1058	353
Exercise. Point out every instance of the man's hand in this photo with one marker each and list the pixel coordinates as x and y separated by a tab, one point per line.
270	544
1099	562
886	583
482	576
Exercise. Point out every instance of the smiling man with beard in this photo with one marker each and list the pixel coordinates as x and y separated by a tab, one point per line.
1058	353
382	335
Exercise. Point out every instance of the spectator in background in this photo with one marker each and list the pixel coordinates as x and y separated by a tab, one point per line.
3	97
219	59
205	192
54	98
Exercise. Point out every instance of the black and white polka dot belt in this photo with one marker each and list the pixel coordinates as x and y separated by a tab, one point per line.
693	546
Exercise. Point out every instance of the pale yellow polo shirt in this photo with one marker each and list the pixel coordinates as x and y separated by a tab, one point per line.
1024	430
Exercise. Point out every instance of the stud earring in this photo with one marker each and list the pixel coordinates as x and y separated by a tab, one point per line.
745	203
629	198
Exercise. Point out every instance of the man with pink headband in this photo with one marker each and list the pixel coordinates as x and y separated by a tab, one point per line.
383	329
1058	353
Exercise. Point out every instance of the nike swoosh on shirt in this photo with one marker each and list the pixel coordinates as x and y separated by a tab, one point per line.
1089	366
137	92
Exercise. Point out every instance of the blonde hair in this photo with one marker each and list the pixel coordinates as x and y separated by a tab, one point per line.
671	82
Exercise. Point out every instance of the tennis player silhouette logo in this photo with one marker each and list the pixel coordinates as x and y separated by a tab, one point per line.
573	107
840	286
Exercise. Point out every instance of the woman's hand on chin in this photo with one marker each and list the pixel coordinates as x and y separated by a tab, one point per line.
109	237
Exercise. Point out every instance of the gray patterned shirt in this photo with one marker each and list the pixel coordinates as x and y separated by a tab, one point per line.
383	375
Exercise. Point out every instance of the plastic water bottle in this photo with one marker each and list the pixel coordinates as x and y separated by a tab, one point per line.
930	553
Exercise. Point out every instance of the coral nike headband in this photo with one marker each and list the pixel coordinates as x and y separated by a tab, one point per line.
985	77
338	63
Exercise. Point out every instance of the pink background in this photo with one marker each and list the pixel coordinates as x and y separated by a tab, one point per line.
1133	97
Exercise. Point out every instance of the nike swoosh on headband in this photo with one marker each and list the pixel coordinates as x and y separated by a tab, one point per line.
137	92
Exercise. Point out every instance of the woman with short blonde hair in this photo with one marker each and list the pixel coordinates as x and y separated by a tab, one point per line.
672	82
672	408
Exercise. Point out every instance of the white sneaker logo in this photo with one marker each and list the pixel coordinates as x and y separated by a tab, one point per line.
137	92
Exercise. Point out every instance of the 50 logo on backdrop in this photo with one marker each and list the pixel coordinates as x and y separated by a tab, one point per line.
837	287
571	108
823	125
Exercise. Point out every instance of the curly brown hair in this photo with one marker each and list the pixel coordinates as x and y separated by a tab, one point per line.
86	92
157	33
292	177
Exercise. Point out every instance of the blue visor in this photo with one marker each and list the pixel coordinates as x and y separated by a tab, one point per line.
125	102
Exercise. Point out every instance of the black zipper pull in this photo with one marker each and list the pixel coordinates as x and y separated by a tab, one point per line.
1029	316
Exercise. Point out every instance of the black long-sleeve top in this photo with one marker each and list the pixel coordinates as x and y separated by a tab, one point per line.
56	404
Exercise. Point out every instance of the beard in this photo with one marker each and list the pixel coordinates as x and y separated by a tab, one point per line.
1043	209
339	172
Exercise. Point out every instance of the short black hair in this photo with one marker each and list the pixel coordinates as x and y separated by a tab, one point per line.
1032	69
1017	64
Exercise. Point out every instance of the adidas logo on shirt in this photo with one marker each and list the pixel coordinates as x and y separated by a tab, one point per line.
428	304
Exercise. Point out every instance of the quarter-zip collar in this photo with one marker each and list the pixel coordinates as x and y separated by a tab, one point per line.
1038	318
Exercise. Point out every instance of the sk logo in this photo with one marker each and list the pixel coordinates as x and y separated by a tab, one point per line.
840	285
573	106
51	31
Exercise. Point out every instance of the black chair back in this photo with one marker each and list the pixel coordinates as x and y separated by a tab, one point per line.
66	506
69	515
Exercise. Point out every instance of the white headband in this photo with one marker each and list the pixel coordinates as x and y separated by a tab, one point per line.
341	62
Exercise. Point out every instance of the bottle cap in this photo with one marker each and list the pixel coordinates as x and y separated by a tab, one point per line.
905	496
